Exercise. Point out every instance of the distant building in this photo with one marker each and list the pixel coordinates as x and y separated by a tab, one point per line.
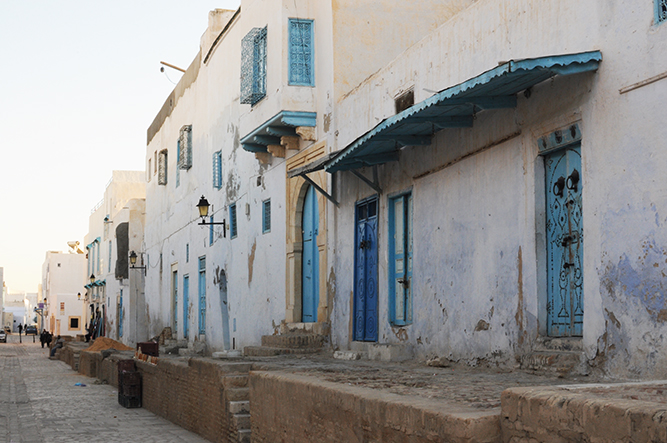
63	276
114	295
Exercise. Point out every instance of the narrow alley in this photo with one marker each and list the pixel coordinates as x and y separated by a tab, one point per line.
40	402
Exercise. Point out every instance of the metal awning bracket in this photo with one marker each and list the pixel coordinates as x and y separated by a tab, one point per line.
375	184
320	190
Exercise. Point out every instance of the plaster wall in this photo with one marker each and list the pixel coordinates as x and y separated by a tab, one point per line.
64	276
478	242
242	299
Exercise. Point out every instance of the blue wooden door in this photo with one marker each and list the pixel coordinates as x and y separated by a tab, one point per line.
186	305
202	295
400	260
365	271
310	284
174	288
565	309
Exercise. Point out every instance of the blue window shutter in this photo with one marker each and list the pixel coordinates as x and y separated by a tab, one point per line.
202	295
266	218
660	11
217	169
210	237
301	53
253	66
232	220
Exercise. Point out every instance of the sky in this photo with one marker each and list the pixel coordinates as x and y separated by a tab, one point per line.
80	84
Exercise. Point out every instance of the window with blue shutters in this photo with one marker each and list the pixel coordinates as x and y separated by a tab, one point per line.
301	53
210	235
266	216
202	295
253	66
660	11
232	220
217	169
185	147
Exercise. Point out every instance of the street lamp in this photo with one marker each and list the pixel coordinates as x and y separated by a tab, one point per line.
203	213
92	278
133	262
79	296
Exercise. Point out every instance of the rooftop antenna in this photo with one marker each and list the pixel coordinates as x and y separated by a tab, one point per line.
169	65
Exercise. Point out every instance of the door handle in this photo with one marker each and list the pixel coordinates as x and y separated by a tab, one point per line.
572	181
559	186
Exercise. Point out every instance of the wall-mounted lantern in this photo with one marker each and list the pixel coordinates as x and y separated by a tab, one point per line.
203	213
133	262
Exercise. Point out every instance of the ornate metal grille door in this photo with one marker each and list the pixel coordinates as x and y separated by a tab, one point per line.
565	308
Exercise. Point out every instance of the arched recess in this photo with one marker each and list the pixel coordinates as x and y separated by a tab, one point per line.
297	189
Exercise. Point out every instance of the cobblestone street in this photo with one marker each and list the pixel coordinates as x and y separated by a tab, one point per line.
39	402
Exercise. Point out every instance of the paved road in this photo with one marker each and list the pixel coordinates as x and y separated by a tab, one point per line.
39	403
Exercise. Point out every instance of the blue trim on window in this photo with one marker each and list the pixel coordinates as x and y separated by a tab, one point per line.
210	235
660	11
232	221
301	54
266	216
217	169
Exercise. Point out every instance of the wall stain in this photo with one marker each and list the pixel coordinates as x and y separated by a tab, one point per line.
251	260
482	326
400	333
520	308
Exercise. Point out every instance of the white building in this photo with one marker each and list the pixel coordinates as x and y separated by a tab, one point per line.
63	277
497	141
114	291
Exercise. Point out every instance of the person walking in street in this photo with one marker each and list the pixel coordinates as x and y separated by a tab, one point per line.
42	337
20	328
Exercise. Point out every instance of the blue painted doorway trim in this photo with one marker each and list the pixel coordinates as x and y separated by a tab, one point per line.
186	305
310	281
365	270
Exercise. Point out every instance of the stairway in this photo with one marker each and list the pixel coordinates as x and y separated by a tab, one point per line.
562	355
294	338
238	399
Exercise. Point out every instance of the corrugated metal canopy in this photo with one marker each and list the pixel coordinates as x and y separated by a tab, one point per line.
455	107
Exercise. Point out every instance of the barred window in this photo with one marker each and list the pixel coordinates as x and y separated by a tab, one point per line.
162	168
660	11
301	53
253	66
217	169
185	143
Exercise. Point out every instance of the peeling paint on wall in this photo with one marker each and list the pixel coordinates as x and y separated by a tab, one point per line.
251	260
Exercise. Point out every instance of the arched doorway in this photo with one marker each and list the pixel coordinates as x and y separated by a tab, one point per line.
310	284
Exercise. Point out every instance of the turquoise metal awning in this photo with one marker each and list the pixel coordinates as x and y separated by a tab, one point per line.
282	124
456	106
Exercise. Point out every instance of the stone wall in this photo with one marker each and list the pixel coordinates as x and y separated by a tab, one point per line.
302	409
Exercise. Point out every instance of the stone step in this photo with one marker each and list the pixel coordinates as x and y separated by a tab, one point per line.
238	394
241	421
239	407
293	341
319	328
266	351
235	381
244	436
559	344
562	362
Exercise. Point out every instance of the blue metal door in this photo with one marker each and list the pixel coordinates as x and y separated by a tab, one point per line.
310	283
565	309
365	271
174	288
186	305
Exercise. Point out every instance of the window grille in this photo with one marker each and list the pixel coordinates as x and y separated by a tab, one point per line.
232	220
162	168
266	218
253	66
301	53
217	169
185	143
660	11
178	169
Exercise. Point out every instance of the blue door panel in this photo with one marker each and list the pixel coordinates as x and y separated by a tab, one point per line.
365	271
564	243
310	259
186	303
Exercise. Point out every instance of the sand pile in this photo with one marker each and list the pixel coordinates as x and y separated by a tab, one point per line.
104	343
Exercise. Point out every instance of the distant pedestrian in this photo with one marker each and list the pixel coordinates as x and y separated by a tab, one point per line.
42	337
20	328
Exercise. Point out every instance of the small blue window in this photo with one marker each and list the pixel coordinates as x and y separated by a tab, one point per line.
253	66
187	253
217	169
210	235
266	216
660	11
301	53
232	220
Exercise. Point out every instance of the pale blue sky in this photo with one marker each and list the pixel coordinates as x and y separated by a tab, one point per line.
80	83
